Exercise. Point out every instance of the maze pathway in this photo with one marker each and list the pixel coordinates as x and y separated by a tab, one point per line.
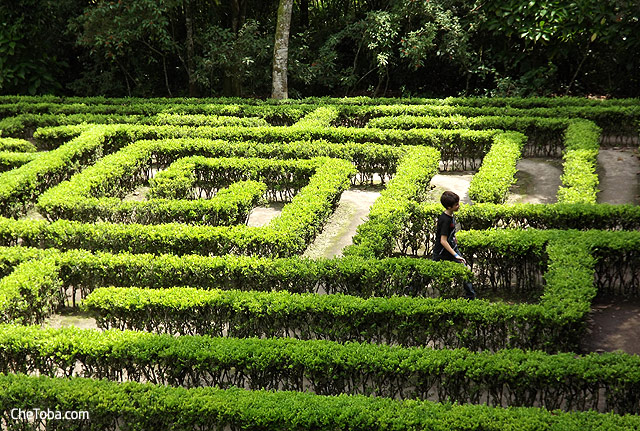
537	181
619	174
352	211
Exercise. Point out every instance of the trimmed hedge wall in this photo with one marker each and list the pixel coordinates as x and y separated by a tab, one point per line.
544	135
286	235
417	236
579	177
505	378
497	173
82	271
145	406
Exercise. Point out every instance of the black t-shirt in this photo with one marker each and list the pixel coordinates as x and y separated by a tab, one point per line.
446	226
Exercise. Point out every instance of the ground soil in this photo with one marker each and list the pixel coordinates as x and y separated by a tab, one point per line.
614	324
352	211
619	175
537	181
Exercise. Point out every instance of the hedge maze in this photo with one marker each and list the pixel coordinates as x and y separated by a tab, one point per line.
208	323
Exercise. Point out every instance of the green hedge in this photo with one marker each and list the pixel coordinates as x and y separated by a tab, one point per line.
614	116
556	324
368	158
463	146
388	215
95	194
286	235
29	293
20	187
145	406
402	320
544	135
17	145
23	125
82	271
417	236
579	177
321	117
505	378
617	256
497	173
11	160
199	176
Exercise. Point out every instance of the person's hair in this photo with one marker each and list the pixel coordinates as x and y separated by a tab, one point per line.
449	199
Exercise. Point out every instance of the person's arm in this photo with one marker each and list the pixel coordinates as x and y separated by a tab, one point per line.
447	246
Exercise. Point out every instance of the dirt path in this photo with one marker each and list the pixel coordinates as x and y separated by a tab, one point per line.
67	320
614	324
352	211
457	182
261	216
537	181
619	174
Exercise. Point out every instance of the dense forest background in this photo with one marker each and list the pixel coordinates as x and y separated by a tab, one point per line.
429	48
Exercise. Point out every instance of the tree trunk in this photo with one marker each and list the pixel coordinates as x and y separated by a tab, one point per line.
279	89
191	69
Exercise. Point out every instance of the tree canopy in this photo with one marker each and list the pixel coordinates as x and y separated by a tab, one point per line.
335	47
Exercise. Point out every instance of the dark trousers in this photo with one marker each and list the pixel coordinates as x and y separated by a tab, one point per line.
470	293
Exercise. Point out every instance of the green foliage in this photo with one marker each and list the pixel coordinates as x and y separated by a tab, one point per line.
17	145
579	177
389	215
509	377
147	406
82	271
497	173
30	292
10	160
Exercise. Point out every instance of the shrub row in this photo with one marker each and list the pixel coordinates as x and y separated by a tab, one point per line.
614	116
84	196
417	236
199	176
617	265
23	125
231	206
476	325
82	271
579	177
19	187
504	378
321	117
544	135
286	235
29	293
17	145
388	215
369	159
146	406
497	173
556	324
614	120
460	148
11	160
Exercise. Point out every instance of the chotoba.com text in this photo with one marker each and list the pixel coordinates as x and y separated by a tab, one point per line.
47	414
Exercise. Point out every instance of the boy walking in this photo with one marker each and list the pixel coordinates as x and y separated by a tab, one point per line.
446	244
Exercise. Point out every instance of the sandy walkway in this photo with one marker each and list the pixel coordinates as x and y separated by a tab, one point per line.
352	211
537	181
619	174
